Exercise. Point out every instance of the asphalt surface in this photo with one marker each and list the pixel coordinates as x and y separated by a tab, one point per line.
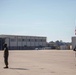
39	62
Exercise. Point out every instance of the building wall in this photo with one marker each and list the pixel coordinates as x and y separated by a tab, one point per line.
24	42
73	42
63	47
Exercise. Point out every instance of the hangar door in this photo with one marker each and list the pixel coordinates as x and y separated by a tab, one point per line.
2	41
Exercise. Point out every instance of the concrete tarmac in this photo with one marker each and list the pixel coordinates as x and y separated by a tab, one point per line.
39	62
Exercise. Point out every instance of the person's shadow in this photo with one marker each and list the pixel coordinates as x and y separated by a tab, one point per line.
19	68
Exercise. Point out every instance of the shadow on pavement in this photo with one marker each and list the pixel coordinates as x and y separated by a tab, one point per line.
19	68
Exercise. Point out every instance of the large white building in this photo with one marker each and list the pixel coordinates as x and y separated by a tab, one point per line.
16	42
73	42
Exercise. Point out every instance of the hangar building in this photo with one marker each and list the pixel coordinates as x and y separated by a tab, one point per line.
16	42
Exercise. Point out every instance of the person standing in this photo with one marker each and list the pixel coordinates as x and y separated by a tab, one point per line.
6	54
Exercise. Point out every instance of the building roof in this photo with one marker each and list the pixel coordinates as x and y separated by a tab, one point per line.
19	36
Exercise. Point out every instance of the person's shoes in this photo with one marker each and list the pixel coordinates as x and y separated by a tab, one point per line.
5	67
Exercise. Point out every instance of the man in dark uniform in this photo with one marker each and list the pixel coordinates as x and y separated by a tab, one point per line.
6	54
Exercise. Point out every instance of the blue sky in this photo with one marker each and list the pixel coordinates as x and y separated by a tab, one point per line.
55	19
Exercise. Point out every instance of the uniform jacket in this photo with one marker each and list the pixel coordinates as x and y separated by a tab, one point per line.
6	52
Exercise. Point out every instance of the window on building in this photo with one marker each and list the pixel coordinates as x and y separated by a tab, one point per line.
12	40
41	40
19	39
29	40
35	40
44	39
24	39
